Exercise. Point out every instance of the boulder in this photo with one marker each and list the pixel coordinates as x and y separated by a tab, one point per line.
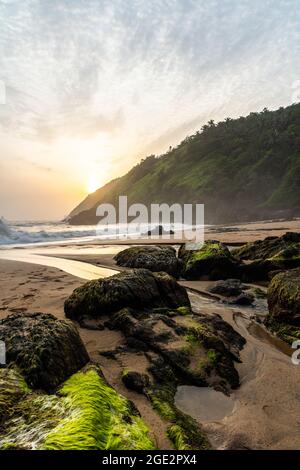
46	350
284	305
227	288
212	261
154	258
135	381
137	288
285	249
85	413
260	270
233	289
284	297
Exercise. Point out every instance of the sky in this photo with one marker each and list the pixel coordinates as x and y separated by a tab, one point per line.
89	87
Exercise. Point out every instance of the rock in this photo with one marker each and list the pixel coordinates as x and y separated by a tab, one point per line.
91	323
137	288
284	250
135	381
159	230
154	258
85	413
46	350
284	305
259	270
198	349
284	297
212	261
227	288
233	289
245	298
269	256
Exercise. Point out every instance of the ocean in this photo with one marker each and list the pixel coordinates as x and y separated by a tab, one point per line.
19	233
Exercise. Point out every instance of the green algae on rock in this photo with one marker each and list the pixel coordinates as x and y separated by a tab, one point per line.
286	246
154	258
273	254
99	418
284	305
46	350
183	431
213	261
12	388
137	288
84	414
182	342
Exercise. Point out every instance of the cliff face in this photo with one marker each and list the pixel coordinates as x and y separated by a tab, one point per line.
241	169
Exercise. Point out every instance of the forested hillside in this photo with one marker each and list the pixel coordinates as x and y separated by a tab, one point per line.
241	169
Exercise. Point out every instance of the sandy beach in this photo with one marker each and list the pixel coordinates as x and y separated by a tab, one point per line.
266	412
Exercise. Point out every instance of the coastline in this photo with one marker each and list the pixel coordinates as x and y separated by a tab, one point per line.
266	406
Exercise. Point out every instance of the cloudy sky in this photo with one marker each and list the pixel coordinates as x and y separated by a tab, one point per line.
89	87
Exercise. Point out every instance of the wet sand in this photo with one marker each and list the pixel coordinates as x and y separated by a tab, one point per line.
236	234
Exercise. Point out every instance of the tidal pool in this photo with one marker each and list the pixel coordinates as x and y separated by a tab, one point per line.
203	403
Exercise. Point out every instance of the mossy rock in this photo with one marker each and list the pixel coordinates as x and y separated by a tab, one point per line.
137	288
212	261
154	258
84	414
12	389
284	297
277	248
46	350
288	333
180	340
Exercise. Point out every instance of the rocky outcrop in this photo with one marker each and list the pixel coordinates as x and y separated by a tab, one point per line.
177	346
285	247
284	305
199	350
85	413
154	258
138	288
268	256
227	288
181	348
45	350
212	261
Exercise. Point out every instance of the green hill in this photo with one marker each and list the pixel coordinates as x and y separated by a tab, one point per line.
241	169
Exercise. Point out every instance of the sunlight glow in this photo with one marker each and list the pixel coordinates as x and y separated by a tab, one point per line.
93	184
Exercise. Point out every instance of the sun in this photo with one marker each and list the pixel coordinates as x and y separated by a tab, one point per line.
92	184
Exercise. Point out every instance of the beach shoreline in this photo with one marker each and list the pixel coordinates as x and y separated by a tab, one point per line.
266	406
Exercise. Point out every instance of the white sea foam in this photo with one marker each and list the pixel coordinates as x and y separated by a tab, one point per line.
16	233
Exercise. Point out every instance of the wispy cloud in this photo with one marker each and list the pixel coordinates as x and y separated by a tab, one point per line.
143	72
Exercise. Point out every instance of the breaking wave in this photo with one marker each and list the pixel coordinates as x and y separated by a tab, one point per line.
32	232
